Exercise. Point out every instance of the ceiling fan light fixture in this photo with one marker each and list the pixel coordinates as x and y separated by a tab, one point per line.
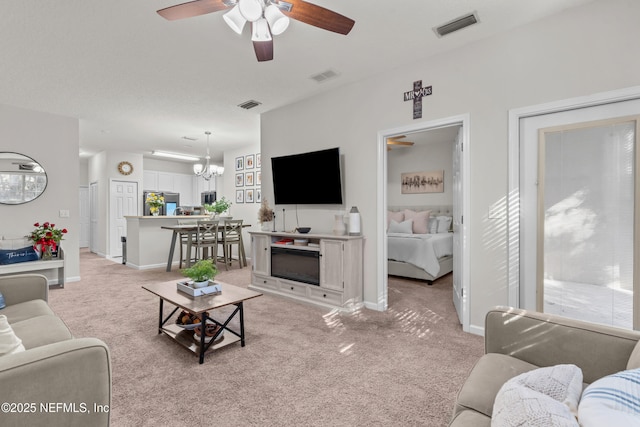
251	10
234	19
261	31
277	20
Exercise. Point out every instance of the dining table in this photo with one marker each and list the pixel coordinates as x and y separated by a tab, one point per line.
190	230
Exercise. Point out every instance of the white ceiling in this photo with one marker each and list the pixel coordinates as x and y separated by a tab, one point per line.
138	82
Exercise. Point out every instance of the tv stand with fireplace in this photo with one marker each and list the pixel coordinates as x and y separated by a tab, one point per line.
328	272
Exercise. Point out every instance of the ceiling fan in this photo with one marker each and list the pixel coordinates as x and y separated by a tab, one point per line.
396	140
267	17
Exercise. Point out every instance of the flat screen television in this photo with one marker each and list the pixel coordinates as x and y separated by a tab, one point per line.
311	178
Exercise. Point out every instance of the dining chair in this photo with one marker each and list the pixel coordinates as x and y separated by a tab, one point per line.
232	235
207	238
184	241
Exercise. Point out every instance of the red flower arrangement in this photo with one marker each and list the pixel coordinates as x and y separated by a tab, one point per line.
46	235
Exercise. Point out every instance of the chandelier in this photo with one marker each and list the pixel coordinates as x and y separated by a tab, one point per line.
208	170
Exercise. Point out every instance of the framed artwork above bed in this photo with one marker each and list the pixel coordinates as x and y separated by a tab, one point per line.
422	182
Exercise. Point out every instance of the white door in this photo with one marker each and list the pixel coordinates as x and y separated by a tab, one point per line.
530	229
123	201
85	219
586	221
458	291
93	217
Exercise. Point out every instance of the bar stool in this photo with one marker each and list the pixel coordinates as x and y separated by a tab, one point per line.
232	235
207	237
184	240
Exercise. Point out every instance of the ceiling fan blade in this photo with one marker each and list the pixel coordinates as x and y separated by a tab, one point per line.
264	50
318	16
192	8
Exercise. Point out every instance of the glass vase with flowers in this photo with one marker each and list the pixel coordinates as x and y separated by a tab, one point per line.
155	202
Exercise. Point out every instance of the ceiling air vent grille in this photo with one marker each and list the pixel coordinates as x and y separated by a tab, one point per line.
324	76
456	24
249	104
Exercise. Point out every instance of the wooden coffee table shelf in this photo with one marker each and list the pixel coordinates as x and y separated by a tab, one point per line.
231	295
185	338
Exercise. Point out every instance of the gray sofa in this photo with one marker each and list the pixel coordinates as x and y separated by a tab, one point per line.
58	380
518	341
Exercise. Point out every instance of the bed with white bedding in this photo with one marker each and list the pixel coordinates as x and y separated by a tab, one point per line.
417	250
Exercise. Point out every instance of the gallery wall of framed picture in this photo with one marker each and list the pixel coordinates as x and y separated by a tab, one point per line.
248	175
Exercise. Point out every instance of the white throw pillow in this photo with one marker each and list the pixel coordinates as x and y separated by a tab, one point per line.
433	225
542	397
9	342
517	406
401	227
444	223
394	216
612	401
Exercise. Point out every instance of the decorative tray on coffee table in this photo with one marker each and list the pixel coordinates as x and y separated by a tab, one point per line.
186	286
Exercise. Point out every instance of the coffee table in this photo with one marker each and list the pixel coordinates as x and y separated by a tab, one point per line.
230	295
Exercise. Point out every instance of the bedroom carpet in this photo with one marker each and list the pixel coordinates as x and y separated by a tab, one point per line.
302	365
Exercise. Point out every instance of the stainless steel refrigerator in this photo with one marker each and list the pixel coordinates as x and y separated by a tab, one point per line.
171	202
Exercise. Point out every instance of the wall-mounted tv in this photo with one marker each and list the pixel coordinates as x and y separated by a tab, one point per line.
311	178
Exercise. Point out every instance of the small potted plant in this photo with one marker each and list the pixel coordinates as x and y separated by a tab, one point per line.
265	215
218	207
201	272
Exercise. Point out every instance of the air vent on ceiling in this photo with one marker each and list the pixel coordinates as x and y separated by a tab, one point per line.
456	24
249	104
324	76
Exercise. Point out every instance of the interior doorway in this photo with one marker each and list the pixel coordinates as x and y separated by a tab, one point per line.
459	177
85	217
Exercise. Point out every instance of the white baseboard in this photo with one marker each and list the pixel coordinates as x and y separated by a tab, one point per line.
372	306
147	267
476	330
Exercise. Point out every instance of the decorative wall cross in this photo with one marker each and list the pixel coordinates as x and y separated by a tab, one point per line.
416	95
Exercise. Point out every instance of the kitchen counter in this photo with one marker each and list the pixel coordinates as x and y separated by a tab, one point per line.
148	244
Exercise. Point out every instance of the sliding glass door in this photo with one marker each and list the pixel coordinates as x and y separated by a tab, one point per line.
587	257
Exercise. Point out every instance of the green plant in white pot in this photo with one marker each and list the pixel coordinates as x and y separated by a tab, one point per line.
218	207
201	272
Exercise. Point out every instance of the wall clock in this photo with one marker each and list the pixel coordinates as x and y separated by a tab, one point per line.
125	168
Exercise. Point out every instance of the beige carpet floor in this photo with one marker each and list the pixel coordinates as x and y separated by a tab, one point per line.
302	365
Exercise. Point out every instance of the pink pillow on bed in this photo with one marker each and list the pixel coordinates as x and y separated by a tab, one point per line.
420	220
396	216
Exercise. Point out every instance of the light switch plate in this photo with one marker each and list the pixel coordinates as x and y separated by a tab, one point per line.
64	213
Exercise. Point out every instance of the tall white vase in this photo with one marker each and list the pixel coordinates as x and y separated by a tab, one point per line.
354	222
339	229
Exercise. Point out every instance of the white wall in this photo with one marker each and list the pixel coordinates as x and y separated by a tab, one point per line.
245	211
581	51
52	141
420	158
103	168
167	166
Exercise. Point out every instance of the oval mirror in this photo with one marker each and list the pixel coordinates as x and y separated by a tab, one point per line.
22	179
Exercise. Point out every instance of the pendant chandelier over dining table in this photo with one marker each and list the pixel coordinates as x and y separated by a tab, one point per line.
207	171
